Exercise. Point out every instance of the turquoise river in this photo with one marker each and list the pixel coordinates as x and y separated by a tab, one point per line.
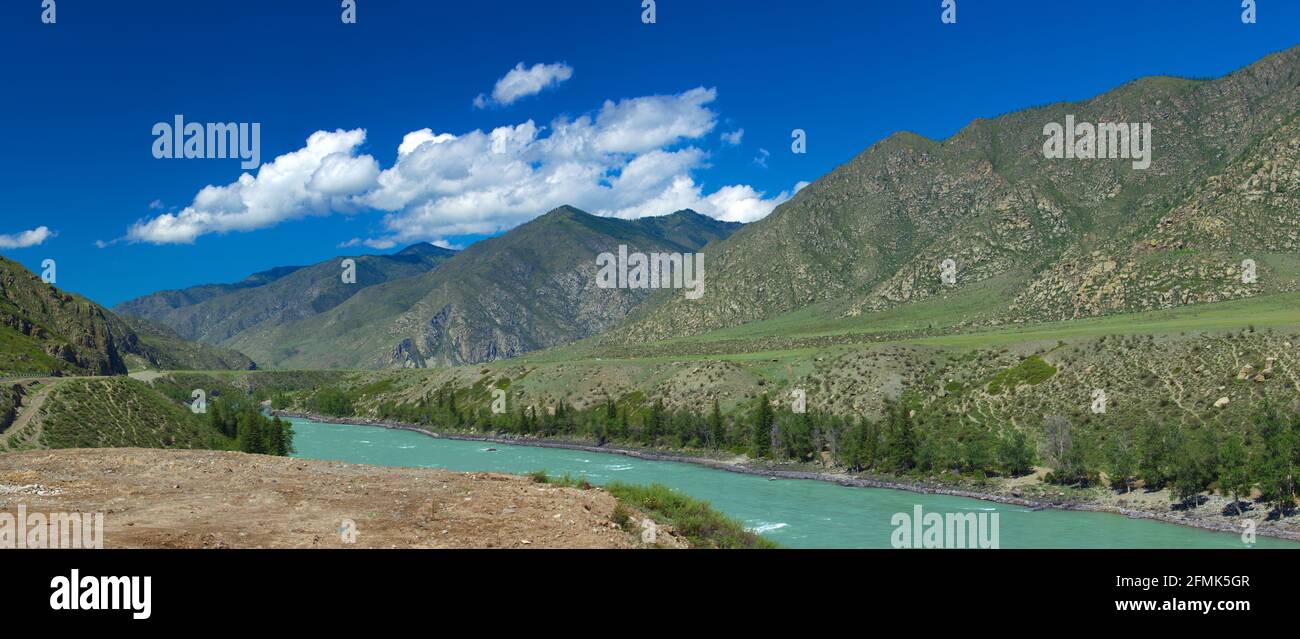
793	513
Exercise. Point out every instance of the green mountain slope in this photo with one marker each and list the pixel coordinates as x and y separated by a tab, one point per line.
530	288
217	313
44	331
1043	238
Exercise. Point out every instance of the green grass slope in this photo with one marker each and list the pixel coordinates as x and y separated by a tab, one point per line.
118	412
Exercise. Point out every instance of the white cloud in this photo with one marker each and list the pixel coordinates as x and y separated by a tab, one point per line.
315	180
522	82
734	137
342	174
761	158
631	158
642	124
412	141
25	239
381	245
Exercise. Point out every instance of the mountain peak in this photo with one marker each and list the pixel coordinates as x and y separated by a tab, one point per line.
425	248
688	213
567	212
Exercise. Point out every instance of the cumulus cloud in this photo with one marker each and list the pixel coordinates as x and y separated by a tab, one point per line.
734	137
522	82
25	239
630	158
315	180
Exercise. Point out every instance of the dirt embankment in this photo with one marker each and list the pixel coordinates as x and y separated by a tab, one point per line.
208	499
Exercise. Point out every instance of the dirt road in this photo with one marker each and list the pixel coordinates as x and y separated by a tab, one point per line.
18	432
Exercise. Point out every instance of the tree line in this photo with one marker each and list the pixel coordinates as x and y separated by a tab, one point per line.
243	421
911	439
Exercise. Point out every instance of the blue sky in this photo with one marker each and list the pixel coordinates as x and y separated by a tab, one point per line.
638	125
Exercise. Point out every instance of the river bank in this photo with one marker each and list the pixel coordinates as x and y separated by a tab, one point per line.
1153	506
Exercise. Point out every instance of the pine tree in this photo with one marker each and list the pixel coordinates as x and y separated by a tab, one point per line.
902	449
761	430
1015	452
654	423
1234	470
1157	440
1194	466
1122	461
977	449
1274	466
716	427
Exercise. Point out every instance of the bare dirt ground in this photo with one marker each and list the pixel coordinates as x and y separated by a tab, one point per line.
208	499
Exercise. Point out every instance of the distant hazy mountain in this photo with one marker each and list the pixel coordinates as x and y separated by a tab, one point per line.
531	288
1038	238
45	330
219	313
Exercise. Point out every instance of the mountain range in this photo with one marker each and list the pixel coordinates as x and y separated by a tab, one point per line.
1042	239
216	313
530	288
1027	237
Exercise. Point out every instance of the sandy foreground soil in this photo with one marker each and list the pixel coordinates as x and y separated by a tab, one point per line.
208	499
